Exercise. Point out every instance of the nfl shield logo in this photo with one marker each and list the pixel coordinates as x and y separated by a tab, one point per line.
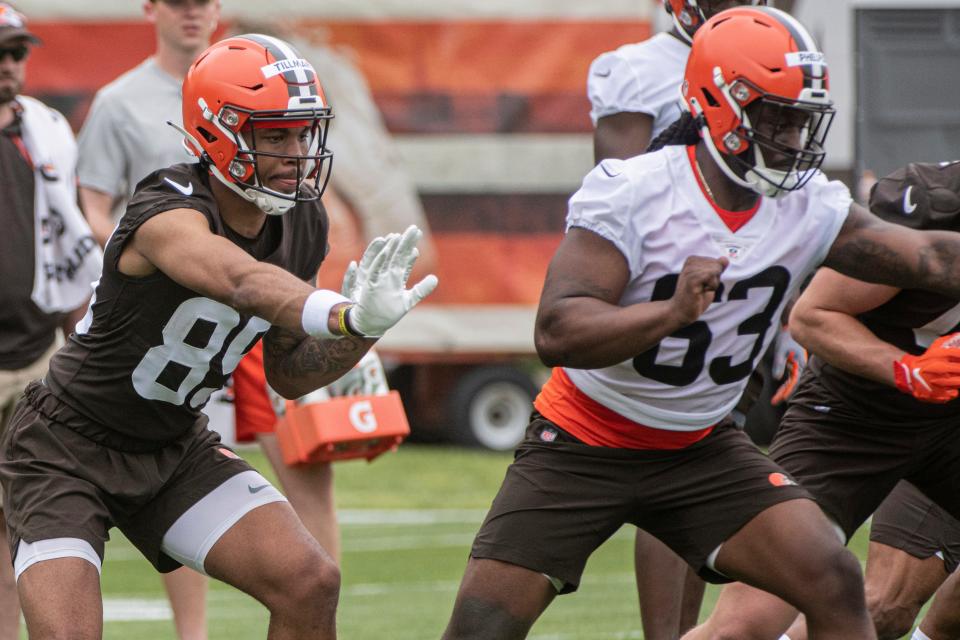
548	434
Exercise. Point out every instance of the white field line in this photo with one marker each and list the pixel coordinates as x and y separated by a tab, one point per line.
128	609
227	604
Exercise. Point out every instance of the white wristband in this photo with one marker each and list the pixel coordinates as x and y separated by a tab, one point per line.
316	313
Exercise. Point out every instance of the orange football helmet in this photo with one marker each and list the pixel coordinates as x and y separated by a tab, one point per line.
688	15
762	61
249	82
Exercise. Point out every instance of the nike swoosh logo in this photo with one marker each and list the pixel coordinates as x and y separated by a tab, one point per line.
908	207
602	74
185	189
253	489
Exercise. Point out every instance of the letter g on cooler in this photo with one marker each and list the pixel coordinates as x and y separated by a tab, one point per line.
341	428
362	417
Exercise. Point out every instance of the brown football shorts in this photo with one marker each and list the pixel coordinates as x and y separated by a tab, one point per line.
910	521
60	484
561	499
850	462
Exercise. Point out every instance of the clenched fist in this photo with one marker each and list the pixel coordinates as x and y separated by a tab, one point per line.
698	282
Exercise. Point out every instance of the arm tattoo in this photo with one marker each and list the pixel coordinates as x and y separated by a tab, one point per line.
939	266
867	255
866	259
297	355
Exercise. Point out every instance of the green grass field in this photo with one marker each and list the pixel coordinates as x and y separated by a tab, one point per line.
407	523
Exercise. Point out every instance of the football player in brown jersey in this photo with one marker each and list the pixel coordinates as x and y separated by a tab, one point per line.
208	258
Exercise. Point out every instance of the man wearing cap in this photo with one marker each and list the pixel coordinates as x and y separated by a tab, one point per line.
48	257
125	137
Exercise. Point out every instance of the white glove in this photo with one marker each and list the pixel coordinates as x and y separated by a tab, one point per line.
349	287
354	271
379	288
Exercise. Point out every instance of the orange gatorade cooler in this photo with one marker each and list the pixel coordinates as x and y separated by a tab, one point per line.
355	417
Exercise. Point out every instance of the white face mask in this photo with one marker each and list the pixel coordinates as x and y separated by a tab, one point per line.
268	203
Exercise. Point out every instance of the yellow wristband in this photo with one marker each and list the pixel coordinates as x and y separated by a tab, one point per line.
342	320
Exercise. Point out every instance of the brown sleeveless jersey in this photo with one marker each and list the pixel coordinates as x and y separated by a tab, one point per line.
919	196
149	352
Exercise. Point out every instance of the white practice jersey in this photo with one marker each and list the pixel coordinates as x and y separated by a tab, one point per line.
639	78
653	210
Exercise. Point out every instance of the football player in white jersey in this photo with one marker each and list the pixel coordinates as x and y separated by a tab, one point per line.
664	292
634	90
634	94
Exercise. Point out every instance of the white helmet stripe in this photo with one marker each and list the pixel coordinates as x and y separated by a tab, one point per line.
300	77
303	80
805	42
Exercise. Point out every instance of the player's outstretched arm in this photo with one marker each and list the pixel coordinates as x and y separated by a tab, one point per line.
874	250
580	322
824	321
179	243
894	254
297	363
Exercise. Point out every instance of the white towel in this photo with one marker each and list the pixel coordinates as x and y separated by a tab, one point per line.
67	258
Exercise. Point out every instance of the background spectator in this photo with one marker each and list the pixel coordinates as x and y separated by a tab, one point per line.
43	294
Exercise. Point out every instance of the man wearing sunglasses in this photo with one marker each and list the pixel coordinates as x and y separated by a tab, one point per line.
124	138
41	294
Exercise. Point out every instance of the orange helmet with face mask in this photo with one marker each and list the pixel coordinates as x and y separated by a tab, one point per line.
764	61
688	15
249	82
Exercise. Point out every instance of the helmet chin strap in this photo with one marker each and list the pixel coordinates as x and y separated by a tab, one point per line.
771	183
757	182
752	180
270	205
766	184
747	182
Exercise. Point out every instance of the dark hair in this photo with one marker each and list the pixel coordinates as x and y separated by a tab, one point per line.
684	130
